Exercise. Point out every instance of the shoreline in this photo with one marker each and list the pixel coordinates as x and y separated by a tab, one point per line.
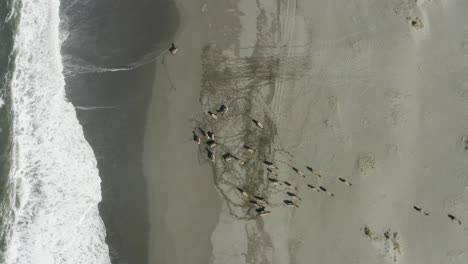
111	106
115	136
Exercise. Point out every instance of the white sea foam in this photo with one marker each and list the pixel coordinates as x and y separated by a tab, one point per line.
2	103
57	186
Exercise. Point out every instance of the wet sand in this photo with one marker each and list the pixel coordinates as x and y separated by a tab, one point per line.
111	105
115	133
183	202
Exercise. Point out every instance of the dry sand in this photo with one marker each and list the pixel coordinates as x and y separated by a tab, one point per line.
370	91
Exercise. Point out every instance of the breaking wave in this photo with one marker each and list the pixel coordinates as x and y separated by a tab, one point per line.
54	170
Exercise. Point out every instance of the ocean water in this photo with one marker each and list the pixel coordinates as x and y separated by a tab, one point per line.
7	26
50	185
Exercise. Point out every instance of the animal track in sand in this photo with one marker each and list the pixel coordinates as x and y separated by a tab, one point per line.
395	113
365	123
463	143
455	256
391	148
455	252
461	89
455	203
238	82
387	243
404	8
464	45
409	9
365	164
427	118
332	103
416	23
463	178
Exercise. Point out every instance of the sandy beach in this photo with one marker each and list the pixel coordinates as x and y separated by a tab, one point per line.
371	92
183	203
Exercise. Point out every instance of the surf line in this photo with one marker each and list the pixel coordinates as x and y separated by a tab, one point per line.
87	108
137	64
